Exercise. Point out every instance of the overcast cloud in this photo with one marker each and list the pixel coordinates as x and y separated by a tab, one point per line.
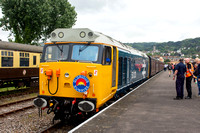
139	20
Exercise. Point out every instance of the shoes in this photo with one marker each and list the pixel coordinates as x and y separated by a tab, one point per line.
188	98
177	98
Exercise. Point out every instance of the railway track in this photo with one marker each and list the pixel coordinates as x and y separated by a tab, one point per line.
7	108
19	101
52	128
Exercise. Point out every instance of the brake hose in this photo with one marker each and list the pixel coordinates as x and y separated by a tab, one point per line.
56	89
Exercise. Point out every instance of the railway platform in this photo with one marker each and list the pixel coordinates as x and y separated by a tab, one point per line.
150	109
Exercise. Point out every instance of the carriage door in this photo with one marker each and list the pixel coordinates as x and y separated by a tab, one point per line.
114	67
125	71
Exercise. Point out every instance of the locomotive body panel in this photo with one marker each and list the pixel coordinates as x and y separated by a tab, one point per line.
81	66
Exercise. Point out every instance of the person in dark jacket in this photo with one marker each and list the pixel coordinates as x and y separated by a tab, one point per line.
180	70
195	73
198	77
195	64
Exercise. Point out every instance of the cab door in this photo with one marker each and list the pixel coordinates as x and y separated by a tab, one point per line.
114	67
109	72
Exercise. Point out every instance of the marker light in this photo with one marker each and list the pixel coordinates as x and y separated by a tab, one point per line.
53	35
90	34
67	75
82	34
61	34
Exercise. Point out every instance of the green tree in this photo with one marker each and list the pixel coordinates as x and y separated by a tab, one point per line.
166	61
32	20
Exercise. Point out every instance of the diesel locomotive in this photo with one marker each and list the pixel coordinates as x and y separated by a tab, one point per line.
81	70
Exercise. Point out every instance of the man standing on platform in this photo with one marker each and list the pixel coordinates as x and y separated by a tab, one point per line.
180	70
189	75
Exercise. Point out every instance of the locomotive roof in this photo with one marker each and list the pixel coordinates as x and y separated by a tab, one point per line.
87	35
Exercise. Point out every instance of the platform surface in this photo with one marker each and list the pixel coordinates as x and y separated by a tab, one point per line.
150	109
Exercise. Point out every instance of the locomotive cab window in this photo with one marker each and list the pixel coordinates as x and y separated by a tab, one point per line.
107	55
85	53
56	52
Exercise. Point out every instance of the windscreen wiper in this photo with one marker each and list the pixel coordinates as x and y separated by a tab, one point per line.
83	48
61	50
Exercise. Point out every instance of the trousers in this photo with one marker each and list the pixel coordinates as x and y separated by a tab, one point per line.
180	85
188	86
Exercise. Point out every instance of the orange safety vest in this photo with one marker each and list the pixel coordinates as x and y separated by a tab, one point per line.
188	73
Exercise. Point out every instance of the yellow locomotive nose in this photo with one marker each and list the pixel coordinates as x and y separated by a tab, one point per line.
72	79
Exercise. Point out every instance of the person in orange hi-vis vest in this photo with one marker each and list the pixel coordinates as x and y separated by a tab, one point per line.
189	75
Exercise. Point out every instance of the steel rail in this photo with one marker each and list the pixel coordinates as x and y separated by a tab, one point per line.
20	101
17	110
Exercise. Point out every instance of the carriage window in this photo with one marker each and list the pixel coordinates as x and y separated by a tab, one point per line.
6	61
106	56
24	61
26	54
85	53
34	60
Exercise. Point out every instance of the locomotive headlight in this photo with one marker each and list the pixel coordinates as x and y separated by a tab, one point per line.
90	34
61	34
67	75
82	34
53	35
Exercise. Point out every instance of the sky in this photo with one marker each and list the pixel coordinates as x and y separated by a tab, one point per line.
138	20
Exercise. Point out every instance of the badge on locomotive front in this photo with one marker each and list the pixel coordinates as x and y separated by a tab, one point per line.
81	83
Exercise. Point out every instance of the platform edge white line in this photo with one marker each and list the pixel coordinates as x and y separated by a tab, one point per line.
80	125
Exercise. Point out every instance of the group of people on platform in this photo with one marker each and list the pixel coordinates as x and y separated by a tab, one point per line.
170	67
187	71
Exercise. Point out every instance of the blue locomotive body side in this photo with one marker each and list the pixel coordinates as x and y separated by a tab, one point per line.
132	69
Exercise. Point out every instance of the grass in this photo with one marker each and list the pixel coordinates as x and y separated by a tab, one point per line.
9	89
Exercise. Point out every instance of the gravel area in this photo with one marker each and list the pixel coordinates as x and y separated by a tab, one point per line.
27	122
17	98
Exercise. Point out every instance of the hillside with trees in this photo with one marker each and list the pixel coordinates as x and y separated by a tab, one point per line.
187	47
